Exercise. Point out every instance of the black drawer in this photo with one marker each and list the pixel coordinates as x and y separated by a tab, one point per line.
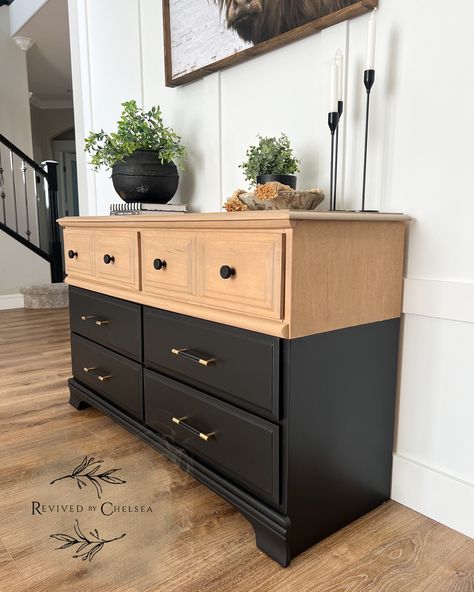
241	445
242	366
112	376
109	321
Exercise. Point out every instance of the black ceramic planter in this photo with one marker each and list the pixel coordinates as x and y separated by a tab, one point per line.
284	179
142	178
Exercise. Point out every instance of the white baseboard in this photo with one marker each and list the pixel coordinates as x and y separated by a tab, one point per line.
440	496
8	301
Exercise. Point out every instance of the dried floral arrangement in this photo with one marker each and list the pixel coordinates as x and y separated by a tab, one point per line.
274	196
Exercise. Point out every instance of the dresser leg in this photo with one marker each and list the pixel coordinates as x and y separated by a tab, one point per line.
273	544
76	401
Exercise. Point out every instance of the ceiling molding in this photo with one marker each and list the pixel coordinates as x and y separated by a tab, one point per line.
51	103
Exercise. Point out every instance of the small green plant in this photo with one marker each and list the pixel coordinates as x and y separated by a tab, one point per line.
271	156
137	130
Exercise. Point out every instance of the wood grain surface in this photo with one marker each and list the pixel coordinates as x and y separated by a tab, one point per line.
192	541
311	273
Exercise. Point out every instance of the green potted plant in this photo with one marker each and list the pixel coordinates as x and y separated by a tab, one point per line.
272	159
142	154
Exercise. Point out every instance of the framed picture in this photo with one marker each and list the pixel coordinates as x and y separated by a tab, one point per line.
203	36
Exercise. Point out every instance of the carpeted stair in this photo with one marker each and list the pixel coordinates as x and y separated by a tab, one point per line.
46	296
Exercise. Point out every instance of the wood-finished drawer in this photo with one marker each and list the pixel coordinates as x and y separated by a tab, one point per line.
114	323
241	445
79	252
243	367
168	263
116	258
256	263
114	377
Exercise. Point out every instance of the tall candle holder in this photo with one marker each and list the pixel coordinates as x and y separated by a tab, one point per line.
333	121
340	109
369	80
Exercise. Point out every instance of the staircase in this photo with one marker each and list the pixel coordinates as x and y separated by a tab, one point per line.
29	205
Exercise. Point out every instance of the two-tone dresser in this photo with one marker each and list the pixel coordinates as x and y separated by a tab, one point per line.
256	349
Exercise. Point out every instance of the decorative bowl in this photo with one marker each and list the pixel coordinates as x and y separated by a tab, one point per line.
286	200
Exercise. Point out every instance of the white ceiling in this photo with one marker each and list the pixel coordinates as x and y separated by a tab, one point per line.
49	60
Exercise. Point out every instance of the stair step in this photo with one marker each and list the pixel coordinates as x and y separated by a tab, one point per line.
46	296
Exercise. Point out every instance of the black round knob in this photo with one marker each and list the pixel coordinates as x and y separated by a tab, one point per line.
71	254
227	272
109	259
159	264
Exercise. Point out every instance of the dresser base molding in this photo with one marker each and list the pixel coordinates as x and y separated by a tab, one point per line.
272	530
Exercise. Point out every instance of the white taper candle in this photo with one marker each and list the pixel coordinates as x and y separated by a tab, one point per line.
371	42
333	97
340	75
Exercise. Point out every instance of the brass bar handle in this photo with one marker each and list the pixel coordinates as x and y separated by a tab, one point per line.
93	319
180	421
101	377
193	355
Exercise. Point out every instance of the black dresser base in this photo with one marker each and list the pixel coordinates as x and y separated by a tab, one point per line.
336	410
271	528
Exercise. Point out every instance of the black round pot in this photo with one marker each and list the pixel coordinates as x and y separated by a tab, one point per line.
141	177
284	179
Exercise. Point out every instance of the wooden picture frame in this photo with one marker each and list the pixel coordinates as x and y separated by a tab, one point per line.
354	10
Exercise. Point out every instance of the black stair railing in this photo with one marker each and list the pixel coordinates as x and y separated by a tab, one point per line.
21	194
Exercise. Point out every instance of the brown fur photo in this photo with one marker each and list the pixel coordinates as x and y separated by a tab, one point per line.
203	36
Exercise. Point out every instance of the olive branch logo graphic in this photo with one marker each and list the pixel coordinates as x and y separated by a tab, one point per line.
87	472
88	548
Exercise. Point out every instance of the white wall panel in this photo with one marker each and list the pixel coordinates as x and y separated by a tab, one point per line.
436	401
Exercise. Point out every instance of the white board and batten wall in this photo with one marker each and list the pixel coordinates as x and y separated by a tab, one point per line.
419	163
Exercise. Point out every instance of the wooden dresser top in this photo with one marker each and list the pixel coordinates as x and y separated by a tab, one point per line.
286	273
280	218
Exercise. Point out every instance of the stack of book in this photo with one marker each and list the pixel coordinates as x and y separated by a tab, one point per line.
135	209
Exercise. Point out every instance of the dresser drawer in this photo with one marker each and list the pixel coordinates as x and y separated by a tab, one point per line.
242	367
115	323
112	376
116	258
242	272
241	445
168	263
79	252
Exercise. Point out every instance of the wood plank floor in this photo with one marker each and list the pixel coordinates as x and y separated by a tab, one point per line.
191	540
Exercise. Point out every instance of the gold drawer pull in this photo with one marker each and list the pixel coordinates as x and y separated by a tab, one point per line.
180	421
100	377
92	319
193	355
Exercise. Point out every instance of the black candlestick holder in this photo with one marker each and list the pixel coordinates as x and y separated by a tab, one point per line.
369	80
333	121
340	110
